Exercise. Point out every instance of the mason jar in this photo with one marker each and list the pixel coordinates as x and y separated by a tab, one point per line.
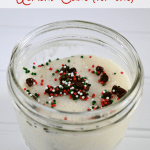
45	128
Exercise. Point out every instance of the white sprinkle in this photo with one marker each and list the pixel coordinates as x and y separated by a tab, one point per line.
50	102
76	95
64	66
87	81
72	92
34	83
61	71
30	94
53	90
103	91
78	92
93	99
107	97
54	86
113	90
60	92
64	93
108	79
46	88
81	93
38	100
51	96
85	85
83	97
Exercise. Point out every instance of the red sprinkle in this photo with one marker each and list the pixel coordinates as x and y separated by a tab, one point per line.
99	80
65	118
41	83
55	71
43	103
38	94
39	65
121	72
62	64
93	95
50	68
118	98
93	66
55	79
24	88
33	63
103	71
90	56
85	88
45	93
42	80
89	70
88	109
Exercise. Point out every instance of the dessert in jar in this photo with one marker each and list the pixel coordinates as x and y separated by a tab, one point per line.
74	85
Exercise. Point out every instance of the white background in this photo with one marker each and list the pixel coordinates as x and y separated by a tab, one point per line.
134	24
75	4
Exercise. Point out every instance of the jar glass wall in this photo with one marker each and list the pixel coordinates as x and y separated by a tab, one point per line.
45	128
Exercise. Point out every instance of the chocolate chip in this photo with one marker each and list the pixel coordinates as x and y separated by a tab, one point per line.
114	89
30	81
104	78
120	92
107	94
99	70
72	70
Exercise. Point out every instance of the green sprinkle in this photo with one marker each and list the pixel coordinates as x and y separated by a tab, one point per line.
93	102
81	56
47	63
93	71
89	84
114	73
24	68
53	74
67	80
54	101
49	60
103	84
102	96
68	61
97	107
34	67
57	70
72	56
112	101
118	86
57	59
47	102
68	67
34	73
92	106
42	64
101	77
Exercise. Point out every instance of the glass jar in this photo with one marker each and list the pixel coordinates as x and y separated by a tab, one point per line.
44	128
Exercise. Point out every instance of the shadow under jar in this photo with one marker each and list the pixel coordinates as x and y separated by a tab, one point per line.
44	128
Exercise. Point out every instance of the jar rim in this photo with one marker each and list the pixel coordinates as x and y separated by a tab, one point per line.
80	23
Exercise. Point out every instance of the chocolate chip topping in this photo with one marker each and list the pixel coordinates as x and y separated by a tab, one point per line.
104	78
30	81
107	95
120	92
71	84
99	70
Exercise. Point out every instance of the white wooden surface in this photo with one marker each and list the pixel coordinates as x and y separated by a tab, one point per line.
133	24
